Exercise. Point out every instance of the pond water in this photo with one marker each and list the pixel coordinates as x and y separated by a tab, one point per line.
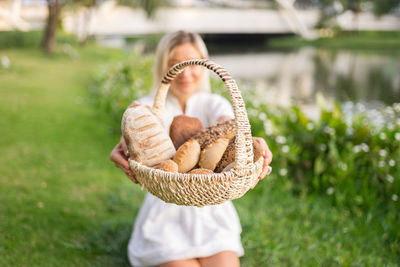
307	77
311	77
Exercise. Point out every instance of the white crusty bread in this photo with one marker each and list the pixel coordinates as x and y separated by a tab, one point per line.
146	138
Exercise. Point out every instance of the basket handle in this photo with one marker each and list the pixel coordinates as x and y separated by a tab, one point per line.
244	143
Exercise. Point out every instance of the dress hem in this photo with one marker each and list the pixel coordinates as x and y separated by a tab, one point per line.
199	252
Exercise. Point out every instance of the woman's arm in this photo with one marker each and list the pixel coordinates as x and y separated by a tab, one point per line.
119	155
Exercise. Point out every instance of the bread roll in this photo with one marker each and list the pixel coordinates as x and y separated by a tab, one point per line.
210	134
145	136
187	156
212	154
167	166
183	128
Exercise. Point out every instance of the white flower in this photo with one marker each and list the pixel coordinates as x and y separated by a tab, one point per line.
381	163
397	136
395	197
382	153
285	149
342	166
364	147
356	149
392	163
349	131
322	147
282	172
280	139
268	128
390	179
360	107
382	136
5	62
390	126
330	190
329	130
396	107
256	103
262	116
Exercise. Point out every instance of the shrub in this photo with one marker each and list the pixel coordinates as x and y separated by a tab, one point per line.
14	39
352	161
116	85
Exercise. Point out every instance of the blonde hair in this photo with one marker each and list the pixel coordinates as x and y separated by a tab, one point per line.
164	48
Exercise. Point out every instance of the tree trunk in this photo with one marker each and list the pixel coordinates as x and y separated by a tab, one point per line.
51	26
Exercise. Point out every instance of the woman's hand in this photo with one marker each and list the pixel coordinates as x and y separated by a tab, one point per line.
267	154
119	155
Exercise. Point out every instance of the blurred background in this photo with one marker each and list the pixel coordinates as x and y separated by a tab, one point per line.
321	81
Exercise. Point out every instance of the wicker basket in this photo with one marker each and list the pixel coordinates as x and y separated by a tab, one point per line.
204	189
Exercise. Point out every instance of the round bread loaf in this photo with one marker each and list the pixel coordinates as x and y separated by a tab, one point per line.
146	139
212	154
167	166
187	156
182	128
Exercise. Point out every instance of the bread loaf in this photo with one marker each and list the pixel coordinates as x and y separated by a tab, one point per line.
146	139
212	154
167	166
187	156
182	128
210	134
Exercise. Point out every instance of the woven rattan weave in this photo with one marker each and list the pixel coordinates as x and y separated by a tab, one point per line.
204	189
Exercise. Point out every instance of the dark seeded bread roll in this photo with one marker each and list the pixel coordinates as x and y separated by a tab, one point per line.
210	134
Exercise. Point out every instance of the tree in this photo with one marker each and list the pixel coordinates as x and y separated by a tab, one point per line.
333	8
55	7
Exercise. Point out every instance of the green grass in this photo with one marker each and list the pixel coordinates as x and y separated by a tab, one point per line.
63	203
388	42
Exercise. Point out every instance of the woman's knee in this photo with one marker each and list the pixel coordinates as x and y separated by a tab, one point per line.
223	259
181	263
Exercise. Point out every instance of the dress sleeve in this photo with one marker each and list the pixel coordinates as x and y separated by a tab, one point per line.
219	106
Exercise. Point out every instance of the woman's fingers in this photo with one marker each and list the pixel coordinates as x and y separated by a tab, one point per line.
120	158
124	147
264	170
267	154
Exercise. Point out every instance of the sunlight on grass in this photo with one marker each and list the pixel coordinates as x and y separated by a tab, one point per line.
65	204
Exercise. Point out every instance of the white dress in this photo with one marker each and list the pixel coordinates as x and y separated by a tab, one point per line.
164	232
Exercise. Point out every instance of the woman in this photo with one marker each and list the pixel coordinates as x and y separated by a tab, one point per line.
167	234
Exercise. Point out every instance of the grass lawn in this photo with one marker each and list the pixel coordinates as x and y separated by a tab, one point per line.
367	41
65	204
